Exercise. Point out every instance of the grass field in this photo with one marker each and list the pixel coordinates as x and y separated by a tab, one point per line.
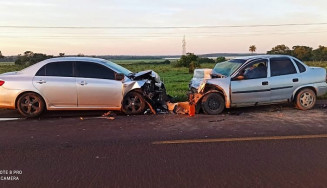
176	79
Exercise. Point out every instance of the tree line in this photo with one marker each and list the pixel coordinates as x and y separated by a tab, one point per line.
304	53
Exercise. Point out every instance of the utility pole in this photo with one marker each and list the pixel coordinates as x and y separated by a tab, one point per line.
184	46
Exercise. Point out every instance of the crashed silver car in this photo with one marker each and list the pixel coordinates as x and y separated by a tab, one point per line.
257	80
80	83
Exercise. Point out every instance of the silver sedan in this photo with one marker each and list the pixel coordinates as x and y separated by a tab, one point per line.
80	83
257	80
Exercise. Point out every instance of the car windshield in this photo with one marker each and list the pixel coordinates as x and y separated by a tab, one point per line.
228	67
118	68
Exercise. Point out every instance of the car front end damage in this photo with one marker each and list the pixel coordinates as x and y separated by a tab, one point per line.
153	90
204	82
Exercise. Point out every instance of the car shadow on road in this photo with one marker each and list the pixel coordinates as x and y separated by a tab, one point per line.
95	113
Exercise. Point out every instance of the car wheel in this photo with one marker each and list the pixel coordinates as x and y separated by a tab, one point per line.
305	99
213	104
30	105
133	103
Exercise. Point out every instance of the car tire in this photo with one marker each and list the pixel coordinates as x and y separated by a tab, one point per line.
30	105
133	103
213	103
305	99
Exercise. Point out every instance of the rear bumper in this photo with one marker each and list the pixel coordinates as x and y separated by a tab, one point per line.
8	97
321	89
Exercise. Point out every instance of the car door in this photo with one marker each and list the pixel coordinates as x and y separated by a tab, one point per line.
96	86
284	79
252	87
56	83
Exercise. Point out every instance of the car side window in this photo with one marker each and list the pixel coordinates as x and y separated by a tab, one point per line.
300	66
281	66
59	69
41	72
254	70
93	70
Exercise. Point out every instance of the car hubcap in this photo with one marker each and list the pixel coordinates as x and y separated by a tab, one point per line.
31	105
213	104
306	99
133	104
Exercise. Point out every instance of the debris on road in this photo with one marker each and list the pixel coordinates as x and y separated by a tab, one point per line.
235	113
179	108
218	120
108	115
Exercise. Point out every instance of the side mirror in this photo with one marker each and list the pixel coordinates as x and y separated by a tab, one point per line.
119	76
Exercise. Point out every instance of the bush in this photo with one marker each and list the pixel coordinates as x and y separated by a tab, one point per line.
205	60
220	59
193	65
30	58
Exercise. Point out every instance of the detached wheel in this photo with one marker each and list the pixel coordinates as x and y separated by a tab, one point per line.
133	103
213	104
305	99
30	105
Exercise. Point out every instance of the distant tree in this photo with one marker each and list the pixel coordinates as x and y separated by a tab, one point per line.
61	54
166	62
303	53
28	53
30	58
280	49
320	54
189	60
220	59
80	55
252	48
202	60
186	60
1	56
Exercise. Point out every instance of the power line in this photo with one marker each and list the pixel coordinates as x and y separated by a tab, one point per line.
153	36
158	27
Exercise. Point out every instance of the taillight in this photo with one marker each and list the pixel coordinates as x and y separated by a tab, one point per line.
1	82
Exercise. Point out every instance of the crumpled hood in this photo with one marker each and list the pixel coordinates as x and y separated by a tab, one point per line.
200	75
147	74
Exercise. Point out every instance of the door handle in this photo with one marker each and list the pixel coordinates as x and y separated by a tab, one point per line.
265	83
41	82
295	79
83	83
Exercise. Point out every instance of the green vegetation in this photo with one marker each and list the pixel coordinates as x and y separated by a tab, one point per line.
30	58
303	53
176	79
9	67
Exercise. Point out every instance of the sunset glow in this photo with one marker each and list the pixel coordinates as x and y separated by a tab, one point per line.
145	27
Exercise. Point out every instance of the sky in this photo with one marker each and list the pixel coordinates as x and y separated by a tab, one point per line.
157	27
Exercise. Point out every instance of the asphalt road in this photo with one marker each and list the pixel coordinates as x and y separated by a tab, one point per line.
275	146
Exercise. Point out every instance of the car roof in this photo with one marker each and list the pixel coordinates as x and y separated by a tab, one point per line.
34	68
246	58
